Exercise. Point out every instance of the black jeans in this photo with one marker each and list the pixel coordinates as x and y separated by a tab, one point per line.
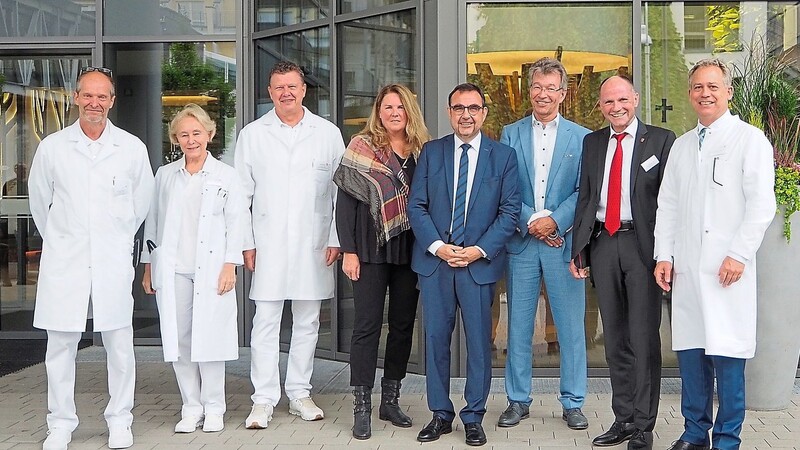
369	297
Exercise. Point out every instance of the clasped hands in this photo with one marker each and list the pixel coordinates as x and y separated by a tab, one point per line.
456	256
545	229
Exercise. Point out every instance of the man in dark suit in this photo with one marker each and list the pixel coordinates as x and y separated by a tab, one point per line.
463	208
621	171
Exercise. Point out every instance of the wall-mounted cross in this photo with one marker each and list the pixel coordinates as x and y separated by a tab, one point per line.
664	107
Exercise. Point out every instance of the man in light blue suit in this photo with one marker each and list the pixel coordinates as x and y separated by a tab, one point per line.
548	149
463	207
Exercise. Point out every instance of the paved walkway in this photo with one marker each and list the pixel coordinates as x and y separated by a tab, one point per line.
23	409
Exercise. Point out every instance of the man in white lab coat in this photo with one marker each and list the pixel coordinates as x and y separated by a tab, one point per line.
286	160
715	203
90	188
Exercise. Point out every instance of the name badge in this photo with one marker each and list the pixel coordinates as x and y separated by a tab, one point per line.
650	163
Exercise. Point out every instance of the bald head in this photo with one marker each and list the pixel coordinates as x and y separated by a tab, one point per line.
618	102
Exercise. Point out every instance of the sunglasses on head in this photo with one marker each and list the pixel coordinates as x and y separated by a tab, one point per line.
103	70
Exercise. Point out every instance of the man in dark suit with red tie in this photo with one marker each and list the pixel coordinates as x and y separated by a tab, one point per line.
463	208
621	171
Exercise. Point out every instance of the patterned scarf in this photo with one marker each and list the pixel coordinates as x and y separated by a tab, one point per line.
375	177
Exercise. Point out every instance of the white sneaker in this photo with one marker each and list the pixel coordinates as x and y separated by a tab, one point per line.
259	417
305	408
188	424
57	439
119	436
213	423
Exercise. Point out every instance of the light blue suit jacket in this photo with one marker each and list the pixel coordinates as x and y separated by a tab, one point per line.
562	181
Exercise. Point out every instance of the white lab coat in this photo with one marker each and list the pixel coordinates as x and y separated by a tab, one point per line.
292	194
87	211
712	205
219	241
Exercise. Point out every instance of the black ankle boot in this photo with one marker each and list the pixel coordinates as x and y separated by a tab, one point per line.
362	412
390	410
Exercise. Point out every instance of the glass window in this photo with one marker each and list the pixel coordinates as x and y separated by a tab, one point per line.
725	30
170	17
23	18
502	42
361	5
280	13
153	82
36	100
311	49
376	51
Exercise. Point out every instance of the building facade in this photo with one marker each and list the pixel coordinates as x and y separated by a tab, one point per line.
217	53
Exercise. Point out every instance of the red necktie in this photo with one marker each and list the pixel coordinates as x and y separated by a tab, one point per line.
614	188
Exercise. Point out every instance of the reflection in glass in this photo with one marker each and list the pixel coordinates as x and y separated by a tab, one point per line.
170	17
377	51
36	100
155	80
311	50
24	18
347	6
280	13
501	46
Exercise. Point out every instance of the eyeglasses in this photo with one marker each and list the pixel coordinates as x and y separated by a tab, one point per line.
550	89
473	109
103	70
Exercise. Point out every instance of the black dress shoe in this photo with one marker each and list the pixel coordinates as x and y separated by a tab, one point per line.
575	419
474	433
618	433
641	440
683	445
435	428
515	412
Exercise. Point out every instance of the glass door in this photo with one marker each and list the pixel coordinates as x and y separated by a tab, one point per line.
36	101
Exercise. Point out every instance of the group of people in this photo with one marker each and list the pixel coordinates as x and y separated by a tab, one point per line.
443	219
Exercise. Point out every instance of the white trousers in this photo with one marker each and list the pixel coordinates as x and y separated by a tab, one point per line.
202	384
265	350
62	347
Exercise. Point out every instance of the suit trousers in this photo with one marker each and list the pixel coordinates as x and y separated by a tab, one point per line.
698	371
630	306
526	271
369	297
265	350
62	348
202	384
443	293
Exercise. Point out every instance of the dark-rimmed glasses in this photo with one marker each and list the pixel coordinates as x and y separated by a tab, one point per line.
103	70
473	109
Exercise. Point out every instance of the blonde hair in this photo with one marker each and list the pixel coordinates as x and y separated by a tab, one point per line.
191	110
727	78
416	131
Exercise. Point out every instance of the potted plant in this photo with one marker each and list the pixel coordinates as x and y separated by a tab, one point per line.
766	97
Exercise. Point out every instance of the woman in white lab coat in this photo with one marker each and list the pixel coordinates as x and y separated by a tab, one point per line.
193	237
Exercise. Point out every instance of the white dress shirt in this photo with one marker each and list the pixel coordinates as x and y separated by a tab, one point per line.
627	159
472	155
190	220
543	145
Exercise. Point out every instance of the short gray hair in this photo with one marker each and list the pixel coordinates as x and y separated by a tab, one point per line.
546	66
713	62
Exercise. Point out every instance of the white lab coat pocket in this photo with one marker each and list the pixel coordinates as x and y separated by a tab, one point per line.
713	252
156	267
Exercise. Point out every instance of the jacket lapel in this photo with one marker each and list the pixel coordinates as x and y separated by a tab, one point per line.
639	154
526	144
484	154
448	146
563	136
600	154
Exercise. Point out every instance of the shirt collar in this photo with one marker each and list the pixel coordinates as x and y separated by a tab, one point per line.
550	125
630	130
206	165
717	124
102	140
474	143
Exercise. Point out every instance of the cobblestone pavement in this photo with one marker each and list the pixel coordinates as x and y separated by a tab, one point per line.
23	409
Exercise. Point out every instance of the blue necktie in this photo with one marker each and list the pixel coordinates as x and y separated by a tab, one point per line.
701	136
460	208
